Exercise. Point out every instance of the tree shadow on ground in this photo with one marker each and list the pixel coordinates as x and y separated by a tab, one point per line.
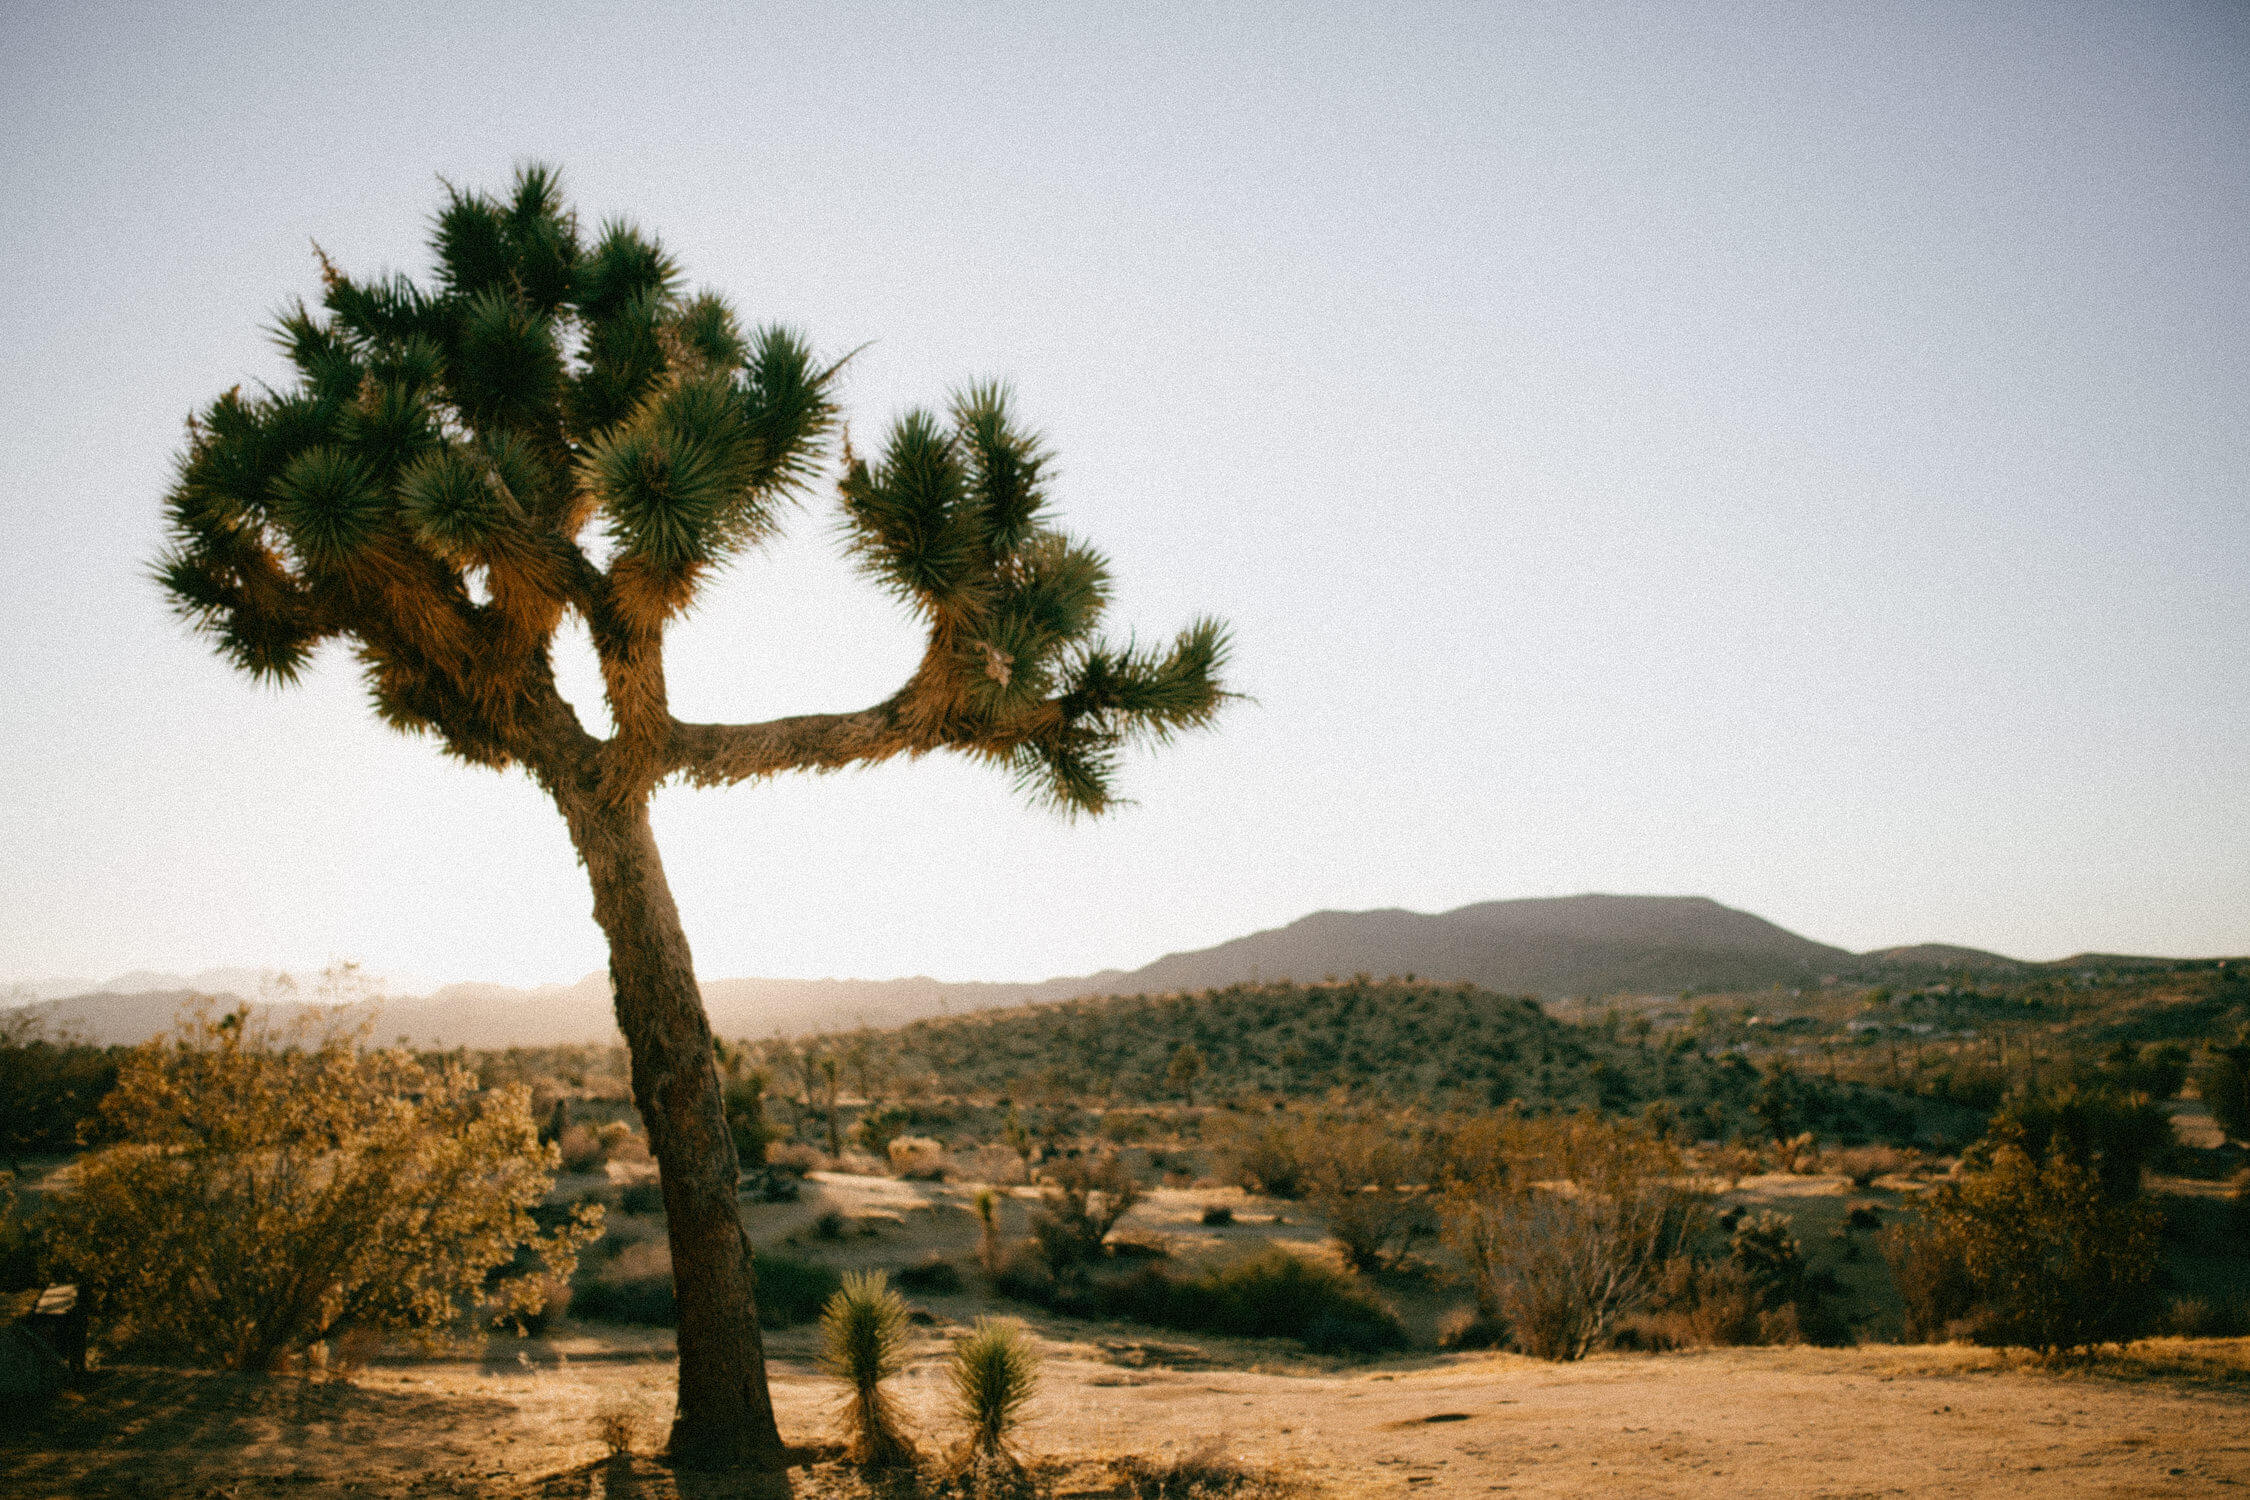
139	1431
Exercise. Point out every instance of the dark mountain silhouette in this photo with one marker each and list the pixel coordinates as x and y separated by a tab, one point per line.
1575	945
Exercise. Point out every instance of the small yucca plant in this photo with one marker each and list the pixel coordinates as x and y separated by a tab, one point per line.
863	1343
988	1216
995	1370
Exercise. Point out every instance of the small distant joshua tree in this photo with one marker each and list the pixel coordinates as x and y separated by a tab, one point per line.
424	491
863	1344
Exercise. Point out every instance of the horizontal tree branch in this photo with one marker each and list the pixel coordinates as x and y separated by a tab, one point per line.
723	754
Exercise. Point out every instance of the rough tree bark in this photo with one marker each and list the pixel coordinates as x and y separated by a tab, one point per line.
725	1412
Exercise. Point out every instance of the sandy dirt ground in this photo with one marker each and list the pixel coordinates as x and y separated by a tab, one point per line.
1876	1420
523	1417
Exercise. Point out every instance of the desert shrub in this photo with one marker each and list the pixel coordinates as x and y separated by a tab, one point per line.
992	1374
1469	1329
863	1343
1369	1178
1863	1164
794	1158
1270	1294
642	1198
792	1291
1081	1201
2115	1135
2223	1080
49	1087
1934	1286
268	1192
1260	1156
19	1245
2206	1318
1767	1250
2157	1070
936	1276
1565	1222
1205	1471
829	1225
1863	1216
879	1127
1216	1216
643	1300
2023	1253
1022	1273
789	1292
581	1149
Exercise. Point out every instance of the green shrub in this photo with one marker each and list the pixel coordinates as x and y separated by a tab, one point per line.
2042	1255
2224	1082
642	1198
642	1300
789	1292
792	1291
936	1276
1270	1294
2116	1135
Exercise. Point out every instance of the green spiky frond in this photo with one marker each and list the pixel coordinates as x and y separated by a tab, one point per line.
421	487
952	518
422	490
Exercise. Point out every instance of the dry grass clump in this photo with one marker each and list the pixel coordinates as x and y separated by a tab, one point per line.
618	1421
1207	1470
1861	1165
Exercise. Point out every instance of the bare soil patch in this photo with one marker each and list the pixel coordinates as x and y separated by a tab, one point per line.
2171	1417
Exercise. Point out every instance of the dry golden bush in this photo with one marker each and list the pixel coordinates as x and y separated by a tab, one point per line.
266	1193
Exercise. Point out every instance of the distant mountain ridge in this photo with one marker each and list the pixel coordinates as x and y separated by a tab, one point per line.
1551	947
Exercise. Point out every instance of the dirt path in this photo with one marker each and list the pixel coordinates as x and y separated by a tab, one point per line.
1755	1422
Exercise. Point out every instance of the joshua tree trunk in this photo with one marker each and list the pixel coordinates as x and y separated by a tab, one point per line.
725	1413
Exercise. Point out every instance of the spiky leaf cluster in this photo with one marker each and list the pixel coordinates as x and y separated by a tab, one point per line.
425	485
953	519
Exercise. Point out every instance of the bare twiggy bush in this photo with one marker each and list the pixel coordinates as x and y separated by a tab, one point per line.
1081	1202
1565	1223
618	1421
863	1337
1369	1177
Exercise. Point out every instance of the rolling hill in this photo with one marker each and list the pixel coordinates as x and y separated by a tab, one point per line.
1576	945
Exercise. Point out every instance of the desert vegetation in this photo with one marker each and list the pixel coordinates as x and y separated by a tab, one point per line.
890	1208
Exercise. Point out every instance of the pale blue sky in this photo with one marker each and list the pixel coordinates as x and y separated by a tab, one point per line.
1793	454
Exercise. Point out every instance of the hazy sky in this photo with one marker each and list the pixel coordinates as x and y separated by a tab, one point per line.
1789	453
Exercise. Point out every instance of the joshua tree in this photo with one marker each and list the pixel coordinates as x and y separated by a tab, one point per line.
424	489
